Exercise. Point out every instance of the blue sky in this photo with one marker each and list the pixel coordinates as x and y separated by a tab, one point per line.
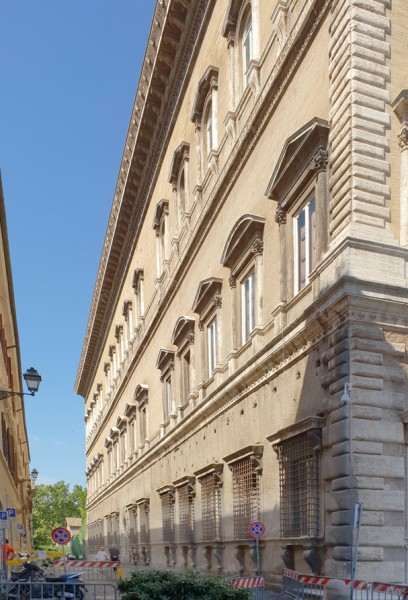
68	77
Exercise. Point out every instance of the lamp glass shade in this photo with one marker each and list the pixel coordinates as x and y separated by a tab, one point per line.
34	474
33	380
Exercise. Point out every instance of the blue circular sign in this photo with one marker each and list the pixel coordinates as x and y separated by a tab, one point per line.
60	536
256	529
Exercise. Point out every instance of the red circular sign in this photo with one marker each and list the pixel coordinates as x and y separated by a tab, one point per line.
256	529
60	536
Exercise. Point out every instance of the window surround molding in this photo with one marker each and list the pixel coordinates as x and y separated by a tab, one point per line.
179	167
127	312
236	14
208	304
254	453
165	364
130	414
243	252
301	171
141	397
312	427
206	95
138	287
161	228
183	338
167	493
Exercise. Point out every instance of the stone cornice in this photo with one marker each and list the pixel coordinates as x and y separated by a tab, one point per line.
175	35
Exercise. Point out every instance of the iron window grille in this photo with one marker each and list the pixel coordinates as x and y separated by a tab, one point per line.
133	526
186	495
246	496
167	504
144	523
299	486
211	507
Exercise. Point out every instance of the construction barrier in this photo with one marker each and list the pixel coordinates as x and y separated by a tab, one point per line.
256	584
91	570
331	588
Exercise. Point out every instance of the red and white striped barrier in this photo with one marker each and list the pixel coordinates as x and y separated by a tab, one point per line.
385	588
323	581
85	563
389	588
248	582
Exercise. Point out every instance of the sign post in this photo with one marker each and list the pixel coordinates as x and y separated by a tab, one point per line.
11	514
3	525
354	548
256	530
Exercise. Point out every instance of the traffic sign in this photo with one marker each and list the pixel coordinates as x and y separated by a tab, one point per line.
11	512
256	529
60	536
3	519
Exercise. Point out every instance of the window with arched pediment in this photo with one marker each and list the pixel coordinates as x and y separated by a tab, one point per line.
183	337
165	363
205	117
141	398
161	228
243	255
241	29
207	304
179	179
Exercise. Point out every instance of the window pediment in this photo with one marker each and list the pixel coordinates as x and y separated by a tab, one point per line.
162	208
245	232
165	360
311	425
231	17
127	305
209	290
208	81
304	153
138	275
114	433
130	410
108	442
253	452
180	154
141	393
183	328
121	422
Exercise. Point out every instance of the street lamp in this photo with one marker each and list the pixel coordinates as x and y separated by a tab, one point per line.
34	475
32	379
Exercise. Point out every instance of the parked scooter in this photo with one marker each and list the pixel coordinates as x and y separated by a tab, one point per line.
32	582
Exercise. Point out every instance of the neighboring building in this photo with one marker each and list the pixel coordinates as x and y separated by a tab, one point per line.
15	483
255	265
74	525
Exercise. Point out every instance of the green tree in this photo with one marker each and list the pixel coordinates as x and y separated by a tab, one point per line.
52	504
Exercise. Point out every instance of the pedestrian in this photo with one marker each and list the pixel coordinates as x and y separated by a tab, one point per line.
102	555
8	552
114	556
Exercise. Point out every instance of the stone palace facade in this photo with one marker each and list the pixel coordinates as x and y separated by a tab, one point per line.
245	357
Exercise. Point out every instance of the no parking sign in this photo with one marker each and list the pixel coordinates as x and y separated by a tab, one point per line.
60	536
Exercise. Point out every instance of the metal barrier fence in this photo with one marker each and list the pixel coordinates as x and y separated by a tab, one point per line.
255	584
43	590
313	587
91	570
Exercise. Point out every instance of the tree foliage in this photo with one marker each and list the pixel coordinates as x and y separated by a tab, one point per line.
52	504
166	585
